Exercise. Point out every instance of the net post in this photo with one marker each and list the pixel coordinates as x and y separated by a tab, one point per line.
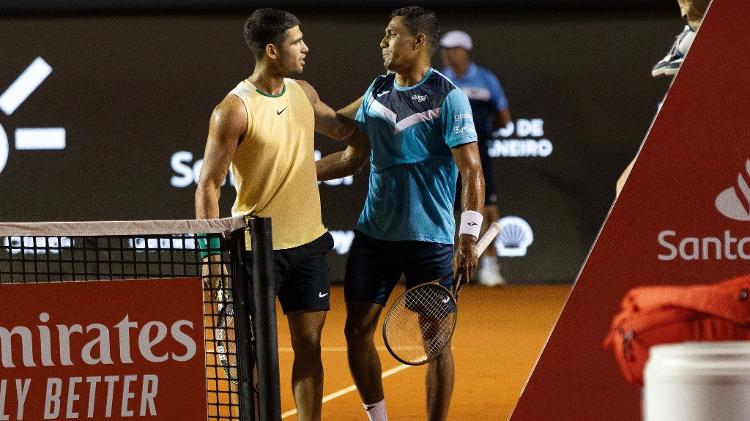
241	303
264	319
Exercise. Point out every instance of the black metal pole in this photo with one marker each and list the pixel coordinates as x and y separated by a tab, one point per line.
264	320
241	303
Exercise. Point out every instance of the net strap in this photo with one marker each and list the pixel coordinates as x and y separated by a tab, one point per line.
95	228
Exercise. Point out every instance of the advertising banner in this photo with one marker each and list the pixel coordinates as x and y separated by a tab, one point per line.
103	350
683	219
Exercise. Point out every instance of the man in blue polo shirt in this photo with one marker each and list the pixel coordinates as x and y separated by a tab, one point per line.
422	135
491	112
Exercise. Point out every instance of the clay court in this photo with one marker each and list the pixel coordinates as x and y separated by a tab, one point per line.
499	335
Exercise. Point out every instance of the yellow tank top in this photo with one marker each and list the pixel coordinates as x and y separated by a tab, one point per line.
274	165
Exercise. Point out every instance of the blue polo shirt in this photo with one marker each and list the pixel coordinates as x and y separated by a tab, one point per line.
485	94
412	174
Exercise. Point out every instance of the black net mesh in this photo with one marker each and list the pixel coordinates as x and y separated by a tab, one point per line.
57	258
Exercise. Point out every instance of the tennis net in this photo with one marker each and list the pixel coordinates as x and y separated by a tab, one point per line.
93	254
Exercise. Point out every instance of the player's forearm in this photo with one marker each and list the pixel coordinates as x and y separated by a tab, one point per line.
207	202
350	111
335	126
469	165
358	143
334	166
340	164
472	189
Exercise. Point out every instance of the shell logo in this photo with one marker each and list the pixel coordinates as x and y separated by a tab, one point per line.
515	237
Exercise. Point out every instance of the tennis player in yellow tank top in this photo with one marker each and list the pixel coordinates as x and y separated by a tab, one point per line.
263	131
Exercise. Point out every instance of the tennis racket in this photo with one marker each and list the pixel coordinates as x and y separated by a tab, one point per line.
421	321
224	335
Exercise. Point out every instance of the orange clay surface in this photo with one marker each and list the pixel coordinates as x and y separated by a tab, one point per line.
500	333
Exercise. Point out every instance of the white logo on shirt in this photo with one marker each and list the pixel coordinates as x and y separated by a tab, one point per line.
419	98
382	93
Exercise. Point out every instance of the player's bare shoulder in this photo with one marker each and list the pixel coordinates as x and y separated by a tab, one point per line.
230	107
310	92
230	116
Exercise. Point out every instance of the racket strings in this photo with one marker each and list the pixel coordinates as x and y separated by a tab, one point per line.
421	324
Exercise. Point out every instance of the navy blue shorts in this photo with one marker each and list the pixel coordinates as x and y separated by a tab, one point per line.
301	275
375	266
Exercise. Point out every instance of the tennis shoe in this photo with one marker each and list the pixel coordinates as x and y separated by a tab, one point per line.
670	64
489	272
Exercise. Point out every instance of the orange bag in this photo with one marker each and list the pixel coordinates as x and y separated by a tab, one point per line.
668	314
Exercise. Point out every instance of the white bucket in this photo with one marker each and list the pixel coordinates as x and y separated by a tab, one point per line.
698	381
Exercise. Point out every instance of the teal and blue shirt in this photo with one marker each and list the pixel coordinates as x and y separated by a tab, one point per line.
412	130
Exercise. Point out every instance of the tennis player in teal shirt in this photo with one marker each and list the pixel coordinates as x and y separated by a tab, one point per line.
422	135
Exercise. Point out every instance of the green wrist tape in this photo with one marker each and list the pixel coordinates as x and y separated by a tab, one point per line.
208	247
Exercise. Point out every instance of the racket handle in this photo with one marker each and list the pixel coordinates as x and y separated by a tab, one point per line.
487	238
481	245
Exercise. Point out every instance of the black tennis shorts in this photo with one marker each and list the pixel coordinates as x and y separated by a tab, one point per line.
375	266
301	275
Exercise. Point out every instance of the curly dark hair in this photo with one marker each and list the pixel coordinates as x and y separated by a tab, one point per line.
267	26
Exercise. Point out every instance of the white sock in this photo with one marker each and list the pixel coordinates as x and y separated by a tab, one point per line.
376	411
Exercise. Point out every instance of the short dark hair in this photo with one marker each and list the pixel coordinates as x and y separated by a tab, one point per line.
419	19
267	26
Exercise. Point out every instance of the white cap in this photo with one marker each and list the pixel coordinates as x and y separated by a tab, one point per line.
455	39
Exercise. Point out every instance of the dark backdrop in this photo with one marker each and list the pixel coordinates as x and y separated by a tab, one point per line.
134	94
37	7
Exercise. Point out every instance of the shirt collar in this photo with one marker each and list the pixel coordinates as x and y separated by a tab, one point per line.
406	88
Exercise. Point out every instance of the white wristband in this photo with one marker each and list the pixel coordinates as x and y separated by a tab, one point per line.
471	223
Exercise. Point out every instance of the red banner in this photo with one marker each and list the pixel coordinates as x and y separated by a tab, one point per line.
682	219
103	350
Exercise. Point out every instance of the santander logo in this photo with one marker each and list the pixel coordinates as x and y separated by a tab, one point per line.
734	202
